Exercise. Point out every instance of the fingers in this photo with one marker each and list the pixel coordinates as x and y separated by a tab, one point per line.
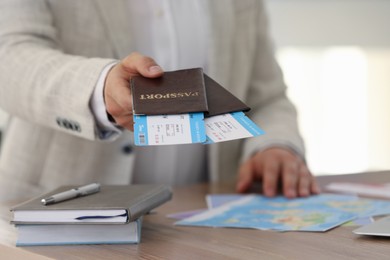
305	180
276	165
296	177
314	187
290	175
117	94
245	177
125	121
118	97
259	167
271	175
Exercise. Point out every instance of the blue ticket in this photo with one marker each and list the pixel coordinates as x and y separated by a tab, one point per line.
230	126
169	129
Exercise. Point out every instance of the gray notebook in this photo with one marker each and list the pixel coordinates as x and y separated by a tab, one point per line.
113	204
68	234
380	227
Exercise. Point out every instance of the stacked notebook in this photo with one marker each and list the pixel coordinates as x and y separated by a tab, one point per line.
111	216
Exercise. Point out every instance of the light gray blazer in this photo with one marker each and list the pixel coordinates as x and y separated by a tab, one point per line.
51	54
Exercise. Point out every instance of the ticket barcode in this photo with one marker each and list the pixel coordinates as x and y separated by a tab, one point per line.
141	139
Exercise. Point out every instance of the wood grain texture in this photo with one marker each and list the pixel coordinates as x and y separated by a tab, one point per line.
162	240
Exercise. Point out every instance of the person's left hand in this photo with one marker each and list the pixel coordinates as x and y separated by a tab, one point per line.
277	165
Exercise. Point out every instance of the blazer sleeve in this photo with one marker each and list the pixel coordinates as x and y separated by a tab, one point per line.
38	81
271	108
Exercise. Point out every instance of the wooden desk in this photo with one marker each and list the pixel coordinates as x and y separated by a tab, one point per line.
162	240
7	252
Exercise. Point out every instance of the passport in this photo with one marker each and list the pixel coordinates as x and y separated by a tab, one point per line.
187	106
175	92
221	101
183	91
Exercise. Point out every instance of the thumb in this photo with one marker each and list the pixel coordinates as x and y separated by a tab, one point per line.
137	64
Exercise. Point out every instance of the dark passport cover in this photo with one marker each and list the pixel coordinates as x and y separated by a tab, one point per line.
176	92
220	100
183	91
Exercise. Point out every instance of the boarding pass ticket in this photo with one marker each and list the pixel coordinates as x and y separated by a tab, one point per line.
192	128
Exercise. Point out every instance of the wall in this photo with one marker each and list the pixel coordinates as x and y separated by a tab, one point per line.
335	55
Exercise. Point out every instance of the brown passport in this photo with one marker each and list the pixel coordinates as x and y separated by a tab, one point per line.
176	92
182	91
220	100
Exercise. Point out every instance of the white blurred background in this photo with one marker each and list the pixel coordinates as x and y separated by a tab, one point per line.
335	55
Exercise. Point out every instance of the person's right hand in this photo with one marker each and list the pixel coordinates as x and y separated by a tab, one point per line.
117	94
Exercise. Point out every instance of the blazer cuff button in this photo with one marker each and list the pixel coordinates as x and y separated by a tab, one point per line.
127	149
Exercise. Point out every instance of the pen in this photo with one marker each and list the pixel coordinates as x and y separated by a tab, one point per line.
71	194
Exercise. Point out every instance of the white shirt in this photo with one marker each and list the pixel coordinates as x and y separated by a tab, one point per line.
174	34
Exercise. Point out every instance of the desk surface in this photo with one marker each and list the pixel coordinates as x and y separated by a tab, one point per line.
162	240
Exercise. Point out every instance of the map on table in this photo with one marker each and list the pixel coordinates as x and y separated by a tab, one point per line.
314	213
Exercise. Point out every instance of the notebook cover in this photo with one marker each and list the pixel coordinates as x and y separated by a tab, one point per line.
136	199
176	92
221	101
380	227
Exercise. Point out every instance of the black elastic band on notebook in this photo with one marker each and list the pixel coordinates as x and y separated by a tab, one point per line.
100	217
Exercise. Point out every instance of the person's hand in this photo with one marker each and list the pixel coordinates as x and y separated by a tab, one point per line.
274	166
117	94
